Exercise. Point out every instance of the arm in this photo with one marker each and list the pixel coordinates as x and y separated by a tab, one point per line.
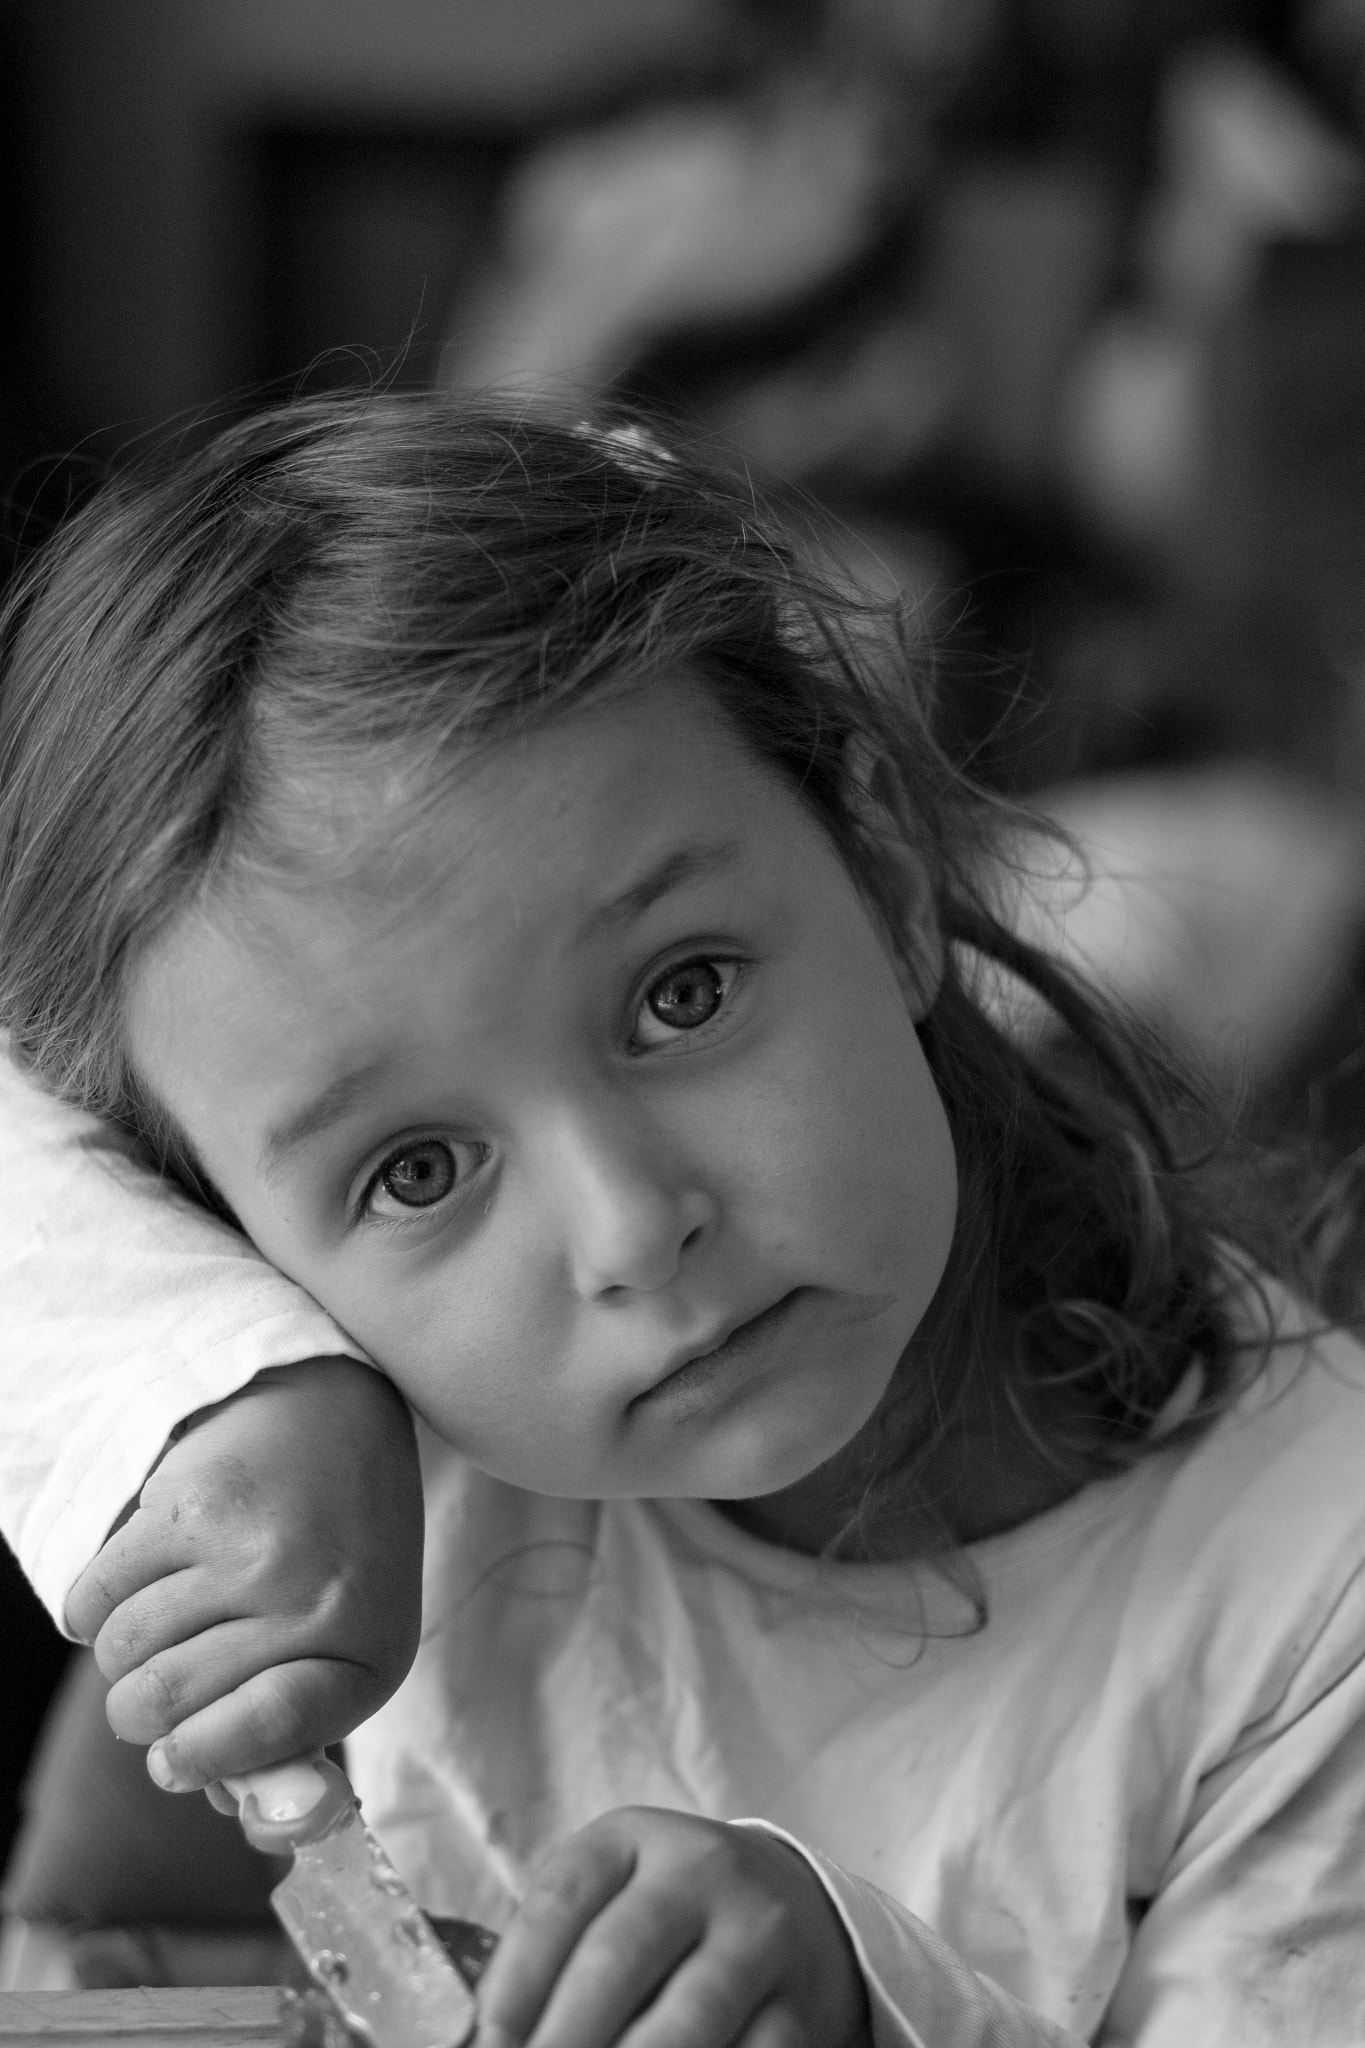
261	1591
124	1308
1256	1932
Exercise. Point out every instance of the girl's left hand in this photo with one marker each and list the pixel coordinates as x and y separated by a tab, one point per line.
658	1930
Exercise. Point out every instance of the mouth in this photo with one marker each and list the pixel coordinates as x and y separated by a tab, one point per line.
733	1350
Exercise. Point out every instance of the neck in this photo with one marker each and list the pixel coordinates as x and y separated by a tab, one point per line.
986	1476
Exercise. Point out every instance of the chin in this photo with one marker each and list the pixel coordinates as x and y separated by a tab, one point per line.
775	1471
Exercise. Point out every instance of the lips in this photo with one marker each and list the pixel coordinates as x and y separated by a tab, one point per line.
730	1347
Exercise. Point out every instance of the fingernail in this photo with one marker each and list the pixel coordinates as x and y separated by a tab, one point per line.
160	1768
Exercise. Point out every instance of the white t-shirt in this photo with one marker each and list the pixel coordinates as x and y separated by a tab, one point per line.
1129	1808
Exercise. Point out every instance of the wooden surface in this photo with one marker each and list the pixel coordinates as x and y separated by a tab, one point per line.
230	2018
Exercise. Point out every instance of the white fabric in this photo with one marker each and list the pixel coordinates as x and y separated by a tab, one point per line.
1130	1809
1134	1800
123	1308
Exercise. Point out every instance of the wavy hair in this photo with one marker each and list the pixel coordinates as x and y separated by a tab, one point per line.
381	585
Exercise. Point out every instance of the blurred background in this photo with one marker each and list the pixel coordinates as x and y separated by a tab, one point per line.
1058	305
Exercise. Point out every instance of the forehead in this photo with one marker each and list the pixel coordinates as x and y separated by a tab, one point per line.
383	823
523	857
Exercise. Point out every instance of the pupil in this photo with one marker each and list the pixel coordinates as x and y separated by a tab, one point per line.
688	997
421	1176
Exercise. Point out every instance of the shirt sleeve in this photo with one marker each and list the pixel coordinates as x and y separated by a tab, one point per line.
124	1307
1256	1935
920	1991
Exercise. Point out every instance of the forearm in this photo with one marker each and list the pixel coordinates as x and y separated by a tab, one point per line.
125	1309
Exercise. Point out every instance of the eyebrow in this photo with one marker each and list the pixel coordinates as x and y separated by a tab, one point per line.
335	1100
687	864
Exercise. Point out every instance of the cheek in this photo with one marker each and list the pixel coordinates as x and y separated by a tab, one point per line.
873	1108
848	1145
903	1171
929	1169
462	1341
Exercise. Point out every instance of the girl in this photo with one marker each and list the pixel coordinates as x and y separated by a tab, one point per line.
893	1557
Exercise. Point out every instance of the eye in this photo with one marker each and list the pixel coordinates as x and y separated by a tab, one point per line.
420	1175
684	999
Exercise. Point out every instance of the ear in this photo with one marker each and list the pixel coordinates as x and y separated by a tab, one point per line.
872	792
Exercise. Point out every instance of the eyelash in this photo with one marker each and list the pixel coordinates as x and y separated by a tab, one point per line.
364	1207
728	970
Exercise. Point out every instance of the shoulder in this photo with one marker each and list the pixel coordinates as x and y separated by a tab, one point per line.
1297	1432
1252	1542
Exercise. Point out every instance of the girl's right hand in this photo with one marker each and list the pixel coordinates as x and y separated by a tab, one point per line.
264	1596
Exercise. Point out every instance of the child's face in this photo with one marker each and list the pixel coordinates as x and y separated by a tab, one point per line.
613	1141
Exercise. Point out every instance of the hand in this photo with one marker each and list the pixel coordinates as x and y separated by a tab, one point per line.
264	1597
659	1930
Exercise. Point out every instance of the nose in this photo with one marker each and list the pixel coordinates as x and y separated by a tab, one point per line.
628	1210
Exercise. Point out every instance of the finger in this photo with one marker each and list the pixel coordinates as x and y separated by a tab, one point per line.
181	1681
567	1893
148	1547
187	1514
181	1608
775	2026
617	1966
712	1997
279	1713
